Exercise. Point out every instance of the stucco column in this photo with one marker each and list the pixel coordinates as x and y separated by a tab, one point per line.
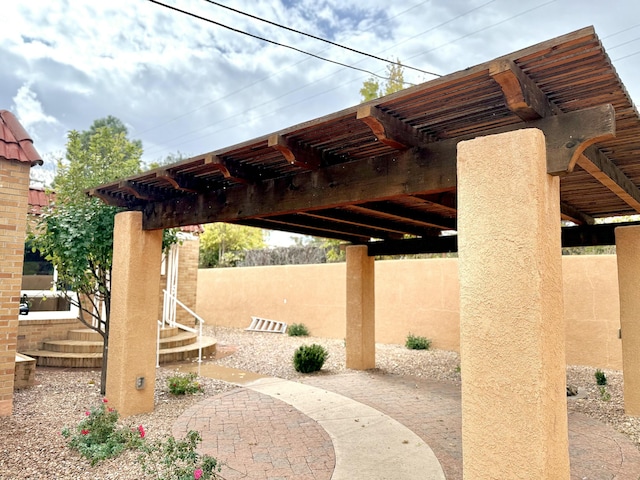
628	254
14	192
361	335
137	256
514	410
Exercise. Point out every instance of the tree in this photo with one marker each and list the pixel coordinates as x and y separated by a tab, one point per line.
76	234
224	245
371	88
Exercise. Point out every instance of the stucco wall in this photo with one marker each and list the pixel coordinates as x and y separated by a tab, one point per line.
417	296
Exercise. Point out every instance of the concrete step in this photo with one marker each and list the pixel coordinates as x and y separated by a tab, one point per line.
88	354
73	346
84	335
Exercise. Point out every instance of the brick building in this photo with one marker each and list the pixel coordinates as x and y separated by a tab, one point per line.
17	156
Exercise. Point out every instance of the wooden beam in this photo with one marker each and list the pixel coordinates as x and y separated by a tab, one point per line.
522	95
314	232
295	154
335	226
349	217
414	246
437	221
429	169
598	165
568	135
113	200
390	130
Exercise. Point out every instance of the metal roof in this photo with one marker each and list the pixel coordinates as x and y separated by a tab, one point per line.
385	170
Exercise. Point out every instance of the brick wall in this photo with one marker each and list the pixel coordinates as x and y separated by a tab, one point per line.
31	333
14	190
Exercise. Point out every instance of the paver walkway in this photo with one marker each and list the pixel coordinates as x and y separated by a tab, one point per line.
260	437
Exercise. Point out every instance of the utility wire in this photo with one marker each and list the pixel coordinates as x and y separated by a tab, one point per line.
360	52
271	41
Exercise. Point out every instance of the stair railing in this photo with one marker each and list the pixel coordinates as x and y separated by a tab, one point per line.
170	320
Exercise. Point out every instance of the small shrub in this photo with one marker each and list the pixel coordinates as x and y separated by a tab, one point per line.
98	435
415	342
298	330
173	459
183	384
601	378
309	358
604	395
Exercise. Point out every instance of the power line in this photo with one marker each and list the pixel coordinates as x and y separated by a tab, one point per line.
271	41
360	52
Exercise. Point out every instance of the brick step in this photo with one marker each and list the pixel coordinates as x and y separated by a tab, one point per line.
84	335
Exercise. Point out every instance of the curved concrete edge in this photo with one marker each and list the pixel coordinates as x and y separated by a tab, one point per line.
368	444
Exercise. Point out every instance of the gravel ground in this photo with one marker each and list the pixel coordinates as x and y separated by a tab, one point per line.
31	446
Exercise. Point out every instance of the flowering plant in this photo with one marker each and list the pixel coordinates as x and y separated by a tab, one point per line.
98	435
173	459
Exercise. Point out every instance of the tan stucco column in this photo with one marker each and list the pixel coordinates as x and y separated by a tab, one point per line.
137	255
14	191
514	410
361	335
628	253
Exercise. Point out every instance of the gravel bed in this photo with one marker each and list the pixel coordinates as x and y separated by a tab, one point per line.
32	447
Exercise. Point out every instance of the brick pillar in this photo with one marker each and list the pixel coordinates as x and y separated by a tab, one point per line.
137	255
361	336
14	192
188	280
512	333
628	254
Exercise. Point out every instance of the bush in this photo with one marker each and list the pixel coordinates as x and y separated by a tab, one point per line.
309	358
601	378
173	459
415	342
183	384
298	330
98	435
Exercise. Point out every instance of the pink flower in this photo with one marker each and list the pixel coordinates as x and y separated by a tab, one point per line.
142	432
110	409
197	473
84	431
104	400
87	413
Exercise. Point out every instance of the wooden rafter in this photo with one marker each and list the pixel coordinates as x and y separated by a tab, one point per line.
133	189
522	95
606	172
568	213
176	181
295	154
350	217
389	129
399	211
313	231
224	168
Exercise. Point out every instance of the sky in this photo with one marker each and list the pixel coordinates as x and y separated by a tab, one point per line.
184	85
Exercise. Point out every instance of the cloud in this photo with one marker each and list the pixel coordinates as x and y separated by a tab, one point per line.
29	109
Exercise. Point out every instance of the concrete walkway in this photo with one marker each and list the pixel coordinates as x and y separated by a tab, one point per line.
368	444
352	424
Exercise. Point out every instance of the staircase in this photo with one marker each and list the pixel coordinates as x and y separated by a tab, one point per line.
83	348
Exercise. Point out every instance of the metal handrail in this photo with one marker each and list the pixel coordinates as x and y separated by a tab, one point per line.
172	323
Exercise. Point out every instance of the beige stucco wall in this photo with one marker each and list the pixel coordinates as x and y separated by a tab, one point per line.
417	296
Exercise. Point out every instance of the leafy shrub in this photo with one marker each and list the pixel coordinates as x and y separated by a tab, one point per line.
98	435
298	330
183	384
309	358
173	459
604	395
415	342
601	378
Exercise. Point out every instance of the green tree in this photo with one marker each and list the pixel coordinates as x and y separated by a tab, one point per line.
76	234
372	89
224	245
168	160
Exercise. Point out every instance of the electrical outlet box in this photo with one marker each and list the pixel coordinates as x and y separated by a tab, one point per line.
139	383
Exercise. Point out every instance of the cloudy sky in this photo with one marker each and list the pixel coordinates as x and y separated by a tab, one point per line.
181	84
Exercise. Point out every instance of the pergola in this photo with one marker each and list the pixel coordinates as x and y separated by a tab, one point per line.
498	153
